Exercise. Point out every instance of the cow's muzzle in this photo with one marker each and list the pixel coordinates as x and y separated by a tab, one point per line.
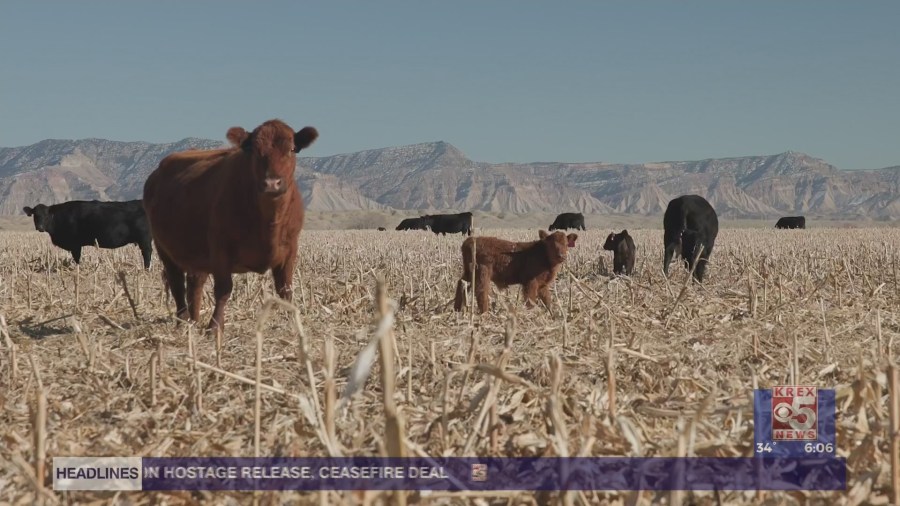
273	185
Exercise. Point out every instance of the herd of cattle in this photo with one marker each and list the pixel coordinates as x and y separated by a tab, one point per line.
238	209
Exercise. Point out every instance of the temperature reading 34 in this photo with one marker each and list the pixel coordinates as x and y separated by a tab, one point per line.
765	447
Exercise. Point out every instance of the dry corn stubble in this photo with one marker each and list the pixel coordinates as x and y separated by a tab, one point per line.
692	356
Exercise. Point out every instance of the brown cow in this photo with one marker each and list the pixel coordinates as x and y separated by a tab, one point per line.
225	211
622	246
533	265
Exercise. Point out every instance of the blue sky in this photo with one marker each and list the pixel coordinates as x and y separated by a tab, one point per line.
501	80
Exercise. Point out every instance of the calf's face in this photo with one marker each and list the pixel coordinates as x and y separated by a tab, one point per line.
272	147
614	239
41	214
557	245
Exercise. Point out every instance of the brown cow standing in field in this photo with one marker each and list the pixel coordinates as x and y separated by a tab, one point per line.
533	265
225	211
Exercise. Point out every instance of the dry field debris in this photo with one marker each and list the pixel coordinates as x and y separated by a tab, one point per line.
91	362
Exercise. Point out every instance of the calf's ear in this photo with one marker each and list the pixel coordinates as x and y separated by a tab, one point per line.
542	234
237	136
304	138
572	238
28	211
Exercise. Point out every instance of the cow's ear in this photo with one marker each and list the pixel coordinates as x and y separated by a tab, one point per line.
237	136
304	138
624	231
572	238
542	234
28	211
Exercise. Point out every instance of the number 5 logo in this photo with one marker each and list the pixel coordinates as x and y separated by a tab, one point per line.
791	413
794	412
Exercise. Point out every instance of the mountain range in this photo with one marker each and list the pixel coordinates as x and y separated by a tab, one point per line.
437	176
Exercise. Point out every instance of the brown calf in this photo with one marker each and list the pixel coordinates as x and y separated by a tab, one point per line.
622	246
227	211
533	265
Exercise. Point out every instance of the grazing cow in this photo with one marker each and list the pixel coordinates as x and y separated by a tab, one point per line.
449	223
109	225
690	221
225	211
622	246
566	221
381	229
413	224
533	265
791	222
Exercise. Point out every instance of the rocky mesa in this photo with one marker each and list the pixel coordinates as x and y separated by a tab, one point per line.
437	176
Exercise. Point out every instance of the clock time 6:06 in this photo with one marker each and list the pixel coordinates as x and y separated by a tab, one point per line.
818	448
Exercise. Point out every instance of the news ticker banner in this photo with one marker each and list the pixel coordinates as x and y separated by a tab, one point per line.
448	473
794	421
794	449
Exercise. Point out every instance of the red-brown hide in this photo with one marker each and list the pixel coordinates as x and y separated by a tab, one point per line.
533	265
226	211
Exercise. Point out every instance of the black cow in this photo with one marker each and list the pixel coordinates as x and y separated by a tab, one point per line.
381	229
791	222
690	221
450	223
566	221
622	246
413	224
109	225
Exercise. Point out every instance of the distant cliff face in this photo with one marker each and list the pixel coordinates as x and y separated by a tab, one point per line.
437	176
54	171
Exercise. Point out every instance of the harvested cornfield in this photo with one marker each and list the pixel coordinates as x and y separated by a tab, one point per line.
617	367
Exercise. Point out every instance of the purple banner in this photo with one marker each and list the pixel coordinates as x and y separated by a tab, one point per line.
473	473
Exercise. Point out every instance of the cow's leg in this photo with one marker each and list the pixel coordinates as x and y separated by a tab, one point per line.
76	254
222	290
530	293
195	283
283	275
482	288
667	258
175	279
459	301
544	294
701	265
146	253
284	285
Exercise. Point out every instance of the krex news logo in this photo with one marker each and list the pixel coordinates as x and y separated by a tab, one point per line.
794	421
795	413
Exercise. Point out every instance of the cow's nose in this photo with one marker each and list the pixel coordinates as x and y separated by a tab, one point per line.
272	184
